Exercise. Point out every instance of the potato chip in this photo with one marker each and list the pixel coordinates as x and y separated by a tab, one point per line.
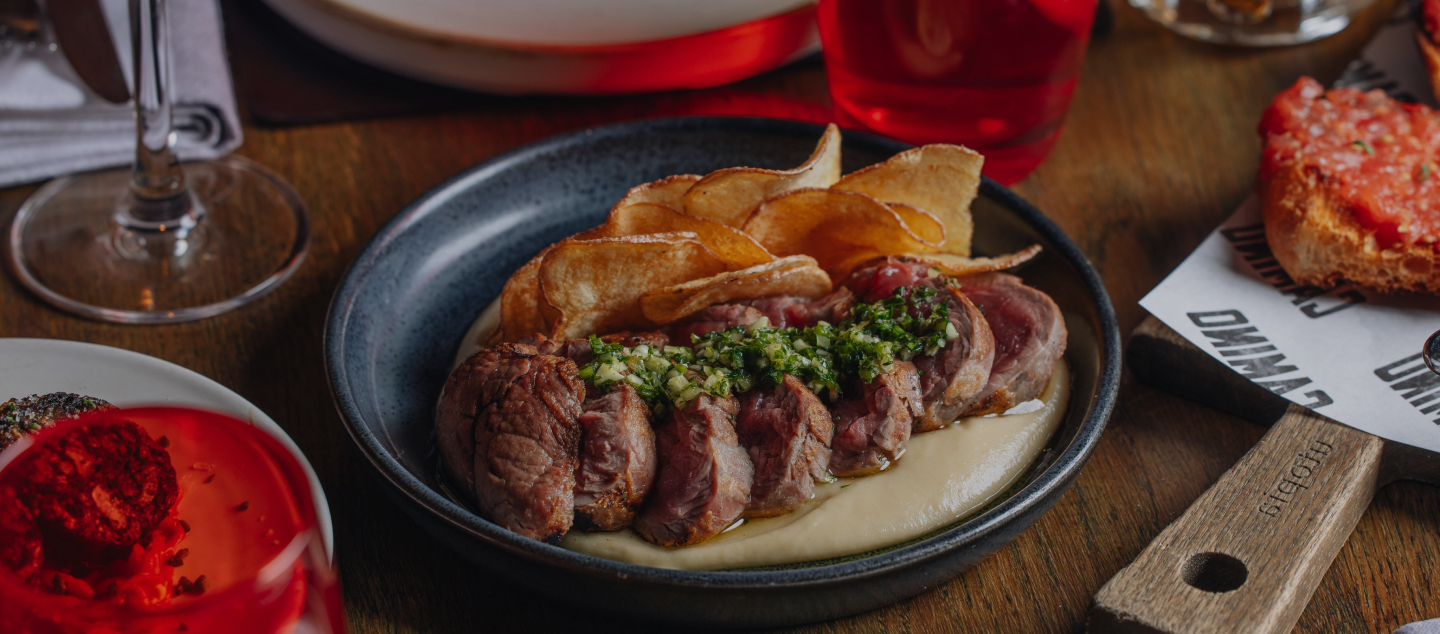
730	195
941	179
797	275
595	285
522	311
737	249
520	304
668	191
839	229
922	222
958	265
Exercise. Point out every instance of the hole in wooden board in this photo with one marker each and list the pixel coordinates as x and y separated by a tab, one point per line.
1214	572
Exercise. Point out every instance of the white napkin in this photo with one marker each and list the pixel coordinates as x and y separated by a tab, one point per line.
1420	627
52	124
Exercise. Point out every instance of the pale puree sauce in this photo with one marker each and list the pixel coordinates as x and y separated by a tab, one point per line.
943	476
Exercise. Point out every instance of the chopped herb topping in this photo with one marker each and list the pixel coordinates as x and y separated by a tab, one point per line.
1360	143
1424	174
864	345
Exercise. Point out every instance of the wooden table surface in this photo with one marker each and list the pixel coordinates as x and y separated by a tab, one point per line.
1160	146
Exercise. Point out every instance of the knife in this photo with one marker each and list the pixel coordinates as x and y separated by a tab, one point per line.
84	38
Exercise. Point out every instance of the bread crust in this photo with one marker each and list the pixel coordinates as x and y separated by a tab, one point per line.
1431	53
1314	235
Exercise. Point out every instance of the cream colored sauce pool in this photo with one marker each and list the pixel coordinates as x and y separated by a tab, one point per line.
943	476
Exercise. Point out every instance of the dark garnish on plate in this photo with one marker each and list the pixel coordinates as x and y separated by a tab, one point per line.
21	416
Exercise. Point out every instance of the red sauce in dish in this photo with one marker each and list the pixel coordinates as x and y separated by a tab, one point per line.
1379	155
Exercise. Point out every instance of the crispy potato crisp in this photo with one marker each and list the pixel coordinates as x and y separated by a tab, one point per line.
796	275
595	285
957	265
737	249
941	179
839	229
680	244
668	191
729	195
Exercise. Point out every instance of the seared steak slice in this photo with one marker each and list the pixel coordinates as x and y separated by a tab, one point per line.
508	433
1029	338
958	371
704	478
617	460
788	311
787	432
578	350
874	283
872	422
713	319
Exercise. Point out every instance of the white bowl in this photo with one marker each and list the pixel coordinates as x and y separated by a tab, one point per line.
563	46
131	379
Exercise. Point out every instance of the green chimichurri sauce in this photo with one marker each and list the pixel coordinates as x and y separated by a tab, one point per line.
865	345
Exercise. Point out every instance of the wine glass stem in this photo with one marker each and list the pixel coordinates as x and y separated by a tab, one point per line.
157	184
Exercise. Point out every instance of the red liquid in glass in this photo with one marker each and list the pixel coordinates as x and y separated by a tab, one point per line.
253	534
993	75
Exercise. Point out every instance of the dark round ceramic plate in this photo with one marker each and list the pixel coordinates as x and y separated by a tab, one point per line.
400	313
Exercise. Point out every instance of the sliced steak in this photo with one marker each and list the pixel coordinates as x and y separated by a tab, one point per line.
713	319
872	422
578	350
786	430
617	460
879	281
704	478
1029	335
958	371
788	311
509	435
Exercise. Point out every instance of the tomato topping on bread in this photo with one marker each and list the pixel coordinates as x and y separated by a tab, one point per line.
1351	188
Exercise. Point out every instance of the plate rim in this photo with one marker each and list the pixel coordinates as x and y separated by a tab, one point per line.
1059	475
257	417
430	36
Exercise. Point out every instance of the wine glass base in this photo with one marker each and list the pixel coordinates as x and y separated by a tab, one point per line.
1284	22
71	244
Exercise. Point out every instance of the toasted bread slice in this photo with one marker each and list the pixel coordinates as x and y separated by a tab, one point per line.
1316	238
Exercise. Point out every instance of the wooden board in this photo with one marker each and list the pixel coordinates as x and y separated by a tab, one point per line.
1248	554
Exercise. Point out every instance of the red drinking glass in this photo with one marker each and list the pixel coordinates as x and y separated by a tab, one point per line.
993	75
245	518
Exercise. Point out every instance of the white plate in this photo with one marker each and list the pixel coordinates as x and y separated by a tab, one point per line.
563	46
565	22
130	379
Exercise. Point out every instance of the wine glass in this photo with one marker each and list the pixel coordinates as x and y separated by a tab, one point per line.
161	242
243	551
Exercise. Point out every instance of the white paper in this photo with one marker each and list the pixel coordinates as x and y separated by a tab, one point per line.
1348	353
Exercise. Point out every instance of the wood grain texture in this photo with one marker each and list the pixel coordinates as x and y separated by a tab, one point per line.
1160	147
1284	528
1249	553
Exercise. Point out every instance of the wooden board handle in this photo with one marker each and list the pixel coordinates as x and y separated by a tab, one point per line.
1248	554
